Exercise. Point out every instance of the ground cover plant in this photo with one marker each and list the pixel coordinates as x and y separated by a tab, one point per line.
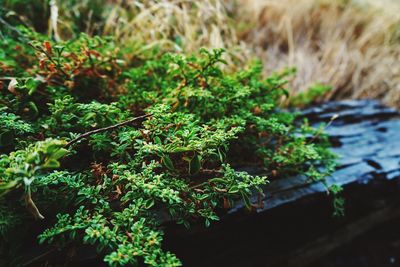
102	143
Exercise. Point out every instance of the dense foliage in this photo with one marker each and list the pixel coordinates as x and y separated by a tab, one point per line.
102	145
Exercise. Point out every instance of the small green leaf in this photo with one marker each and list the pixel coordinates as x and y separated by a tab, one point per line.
157	140
51	148
246	200
168	162
149	203
59	153
51	164
221	155
233	190
33	110
33	157
195	164
31	84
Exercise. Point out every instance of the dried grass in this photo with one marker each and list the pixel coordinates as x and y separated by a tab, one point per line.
177	25
352	47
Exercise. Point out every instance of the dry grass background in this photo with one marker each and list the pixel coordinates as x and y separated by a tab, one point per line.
175	25
352	46
169	25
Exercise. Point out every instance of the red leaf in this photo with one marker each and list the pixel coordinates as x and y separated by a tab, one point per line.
47	46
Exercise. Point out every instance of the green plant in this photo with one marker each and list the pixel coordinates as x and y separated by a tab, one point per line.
309	96
114	148
11	126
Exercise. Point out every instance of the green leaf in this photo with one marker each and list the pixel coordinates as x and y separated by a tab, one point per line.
59	153
195	164
233	190
157	140
168	162
51	164
221	155
51	148
246	200
31	84
33	158
149	203
33	110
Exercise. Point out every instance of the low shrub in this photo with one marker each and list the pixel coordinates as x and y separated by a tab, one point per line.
102	146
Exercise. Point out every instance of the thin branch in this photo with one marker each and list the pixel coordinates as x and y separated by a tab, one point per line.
33	209
321	130
12	78
87	134
199	185
39	257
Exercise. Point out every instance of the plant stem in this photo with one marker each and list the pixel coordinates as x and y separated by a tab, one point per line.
87	134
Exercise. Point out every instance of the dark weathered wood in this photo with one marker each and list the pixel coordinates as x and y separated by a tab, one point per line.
366	136
327	243
295	226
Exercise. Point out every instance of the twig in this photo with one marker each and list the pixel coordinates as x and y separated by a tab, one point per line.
39	257
199	185
12	78
87	134
334	117
33	209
